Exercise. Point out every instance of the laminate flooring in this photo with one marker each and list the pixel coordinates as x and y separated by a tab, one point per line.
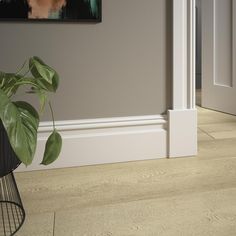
193	196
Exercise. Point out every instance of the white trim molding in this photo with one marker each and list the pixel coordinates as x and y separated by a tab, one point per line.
183	116
103	123
183	54
180	54
100	141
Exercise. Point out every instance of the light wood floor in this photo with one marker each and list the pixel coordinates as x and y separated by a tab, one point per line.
178	197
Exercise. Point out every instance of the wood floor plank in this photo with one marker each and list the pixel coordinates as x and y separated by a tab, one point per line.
223	134
105	185
218	127
206	116
203	136
37	225
215	149
202	214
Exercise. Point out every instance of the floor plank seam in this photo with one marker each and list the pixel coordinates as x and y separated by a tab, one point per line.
206	133
54	219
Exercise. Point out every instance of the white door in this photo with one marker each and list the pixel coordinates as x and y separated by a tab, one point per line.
219	55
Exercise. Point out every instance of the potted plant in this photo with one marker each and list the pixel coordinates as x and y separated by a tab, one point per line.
19	120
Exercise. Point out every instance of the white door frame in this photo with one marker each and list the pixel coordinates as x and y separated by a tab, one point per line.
183	116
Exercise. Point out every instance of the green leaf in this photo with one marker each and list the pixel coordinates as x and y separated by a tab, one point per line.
43	84
21	122
41	70
55	81
8	83
52	148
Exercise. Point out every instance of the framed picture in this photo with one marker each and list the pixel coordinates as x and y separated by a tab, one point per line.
51	10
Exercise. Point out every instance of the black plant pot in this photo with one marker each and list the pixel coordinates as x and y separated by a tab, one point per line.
12	213
8	159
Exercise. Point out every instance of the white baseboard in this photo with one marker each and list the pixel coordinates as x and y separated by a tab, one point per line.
100	141
182	133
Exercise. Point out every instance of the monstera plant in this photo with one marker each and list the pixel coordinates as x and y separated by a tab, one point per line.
20	119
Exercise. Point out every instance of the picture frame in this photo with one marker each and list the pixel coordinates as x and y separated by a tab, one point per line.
51	10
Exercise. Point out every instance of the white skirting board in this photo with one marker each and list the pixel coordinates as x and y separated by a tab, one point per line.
100	141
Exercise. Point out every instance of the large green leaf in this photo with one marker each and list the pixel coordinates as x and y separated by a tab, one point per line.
21	122
41	70
52	148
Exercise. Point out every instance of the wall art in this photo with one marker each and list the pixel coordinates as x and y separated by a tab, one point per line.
51	10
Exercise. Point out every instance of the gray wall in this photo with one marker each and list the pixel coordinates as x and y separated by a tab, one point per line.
120	67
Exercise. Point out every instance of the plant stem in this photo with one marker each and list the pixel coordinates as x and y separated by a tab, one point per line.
53	120
26	83
22	83
27	71
22	67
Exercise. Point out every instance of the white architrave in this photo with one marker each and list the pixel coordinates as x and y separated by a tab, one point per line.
183	116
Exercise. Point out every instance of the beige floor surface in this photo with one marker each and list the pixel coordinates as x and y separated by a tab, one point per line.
193	196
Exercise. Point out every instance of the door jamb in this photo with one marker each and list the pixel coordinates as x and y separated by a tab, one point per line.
183	115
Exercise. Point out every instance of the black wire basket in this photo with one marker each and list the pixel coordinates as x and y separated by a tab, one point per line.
12	213
8	159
